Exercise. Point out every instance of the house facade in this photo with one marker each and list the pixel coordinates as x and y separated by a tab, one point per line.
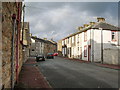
59	47
42	46
26	41
37	46
94	42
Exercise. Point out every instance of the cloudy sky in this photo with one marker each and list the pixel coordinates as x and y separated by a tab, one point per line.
59	19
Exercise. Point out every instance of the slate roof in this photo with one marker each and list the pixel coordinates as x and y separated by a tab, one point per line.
42	40
103	25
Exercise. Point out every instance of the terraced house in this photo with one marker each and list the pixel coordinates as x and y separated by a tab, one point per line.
95	42
42	46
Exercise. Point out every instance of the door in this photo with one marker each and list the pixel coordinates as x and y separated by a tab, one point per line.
89	52
70	51
81	53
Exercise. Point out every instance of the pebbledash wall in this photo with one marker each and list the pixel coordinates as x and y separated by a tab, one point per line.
8	9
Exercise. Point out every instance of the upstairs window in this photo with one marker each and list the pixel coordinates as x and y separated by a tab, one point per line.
68	40
113	35
78	39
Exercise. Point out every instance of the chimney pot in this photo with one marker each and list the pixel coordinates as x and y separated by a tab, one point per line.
80	28
92	23
86	25
100	19
45	38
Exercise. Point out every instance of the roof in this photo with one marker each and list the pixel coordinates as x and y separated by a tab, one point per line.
42	40
103	25
85	29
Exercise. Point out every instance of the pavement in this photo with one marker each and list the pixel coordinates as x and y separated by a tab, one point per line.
31	77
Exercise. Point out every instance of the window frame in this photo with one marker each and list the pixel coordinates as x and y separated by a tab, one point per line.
115	37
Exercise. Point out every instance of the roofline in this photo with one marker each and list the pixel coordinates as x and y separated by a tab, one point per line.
90	27
43	40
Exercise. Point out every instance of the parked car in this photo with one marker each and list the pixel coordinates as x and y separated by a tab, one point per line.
50	56
55	54
40	57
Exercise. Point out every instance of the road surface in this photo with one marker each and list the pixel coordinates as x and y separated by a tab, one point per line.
63	73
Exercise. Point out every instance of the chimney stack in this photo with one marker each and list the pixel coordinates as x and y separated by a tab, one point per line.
80	28
45	38
100	19
92	23
86	25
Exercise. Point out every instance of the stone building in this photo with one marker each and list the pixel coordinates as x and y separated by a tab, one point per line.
94	42
59	47
42	46
26	41
11	45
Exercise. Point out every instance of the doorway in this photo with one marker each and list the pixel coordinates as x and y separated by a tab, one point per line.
89	52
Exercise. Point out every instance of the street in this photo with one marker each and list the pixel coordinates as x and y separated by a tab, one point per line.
63	73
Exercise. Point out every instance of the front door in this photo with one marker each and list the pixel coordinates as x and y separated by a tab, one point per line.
89	52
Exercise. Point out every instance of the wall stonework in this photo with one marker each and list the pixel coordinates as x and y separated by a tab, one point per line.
8	9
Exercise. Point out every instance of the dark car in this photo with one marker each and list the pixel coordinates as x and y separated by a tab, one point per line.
50	56
40	57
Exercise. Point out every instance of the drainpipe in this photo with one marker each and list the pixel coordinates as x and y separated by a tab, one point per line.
101	45
92	42
12	51
18	42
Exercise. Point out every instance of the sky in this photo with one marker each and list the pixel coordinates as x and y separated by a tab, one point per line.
56	20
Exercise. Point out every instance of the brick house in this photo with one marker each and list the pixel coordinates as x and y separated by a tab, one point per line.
94	42
11	45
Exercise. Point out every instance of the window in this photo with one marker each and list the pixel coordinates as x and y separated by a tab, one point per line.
68	40
33	50
78	48
78	39
85	36
113	35
85	51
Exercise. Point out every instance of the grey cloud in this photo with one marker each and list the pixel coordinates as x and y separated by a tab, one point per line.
59	19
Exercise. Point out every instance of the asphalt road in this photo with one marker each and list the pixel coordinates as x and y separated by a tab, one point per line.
63	73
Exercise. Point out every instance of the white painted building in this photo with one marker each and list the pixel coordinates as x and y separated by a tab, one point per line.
96	42
37	46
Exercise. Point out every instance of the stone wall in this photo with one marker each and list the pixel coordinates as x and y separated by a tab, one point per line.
26	41
49	48
8	9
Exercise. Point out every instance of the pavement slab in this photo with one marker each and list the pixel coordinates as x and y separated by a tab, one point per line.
31	77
